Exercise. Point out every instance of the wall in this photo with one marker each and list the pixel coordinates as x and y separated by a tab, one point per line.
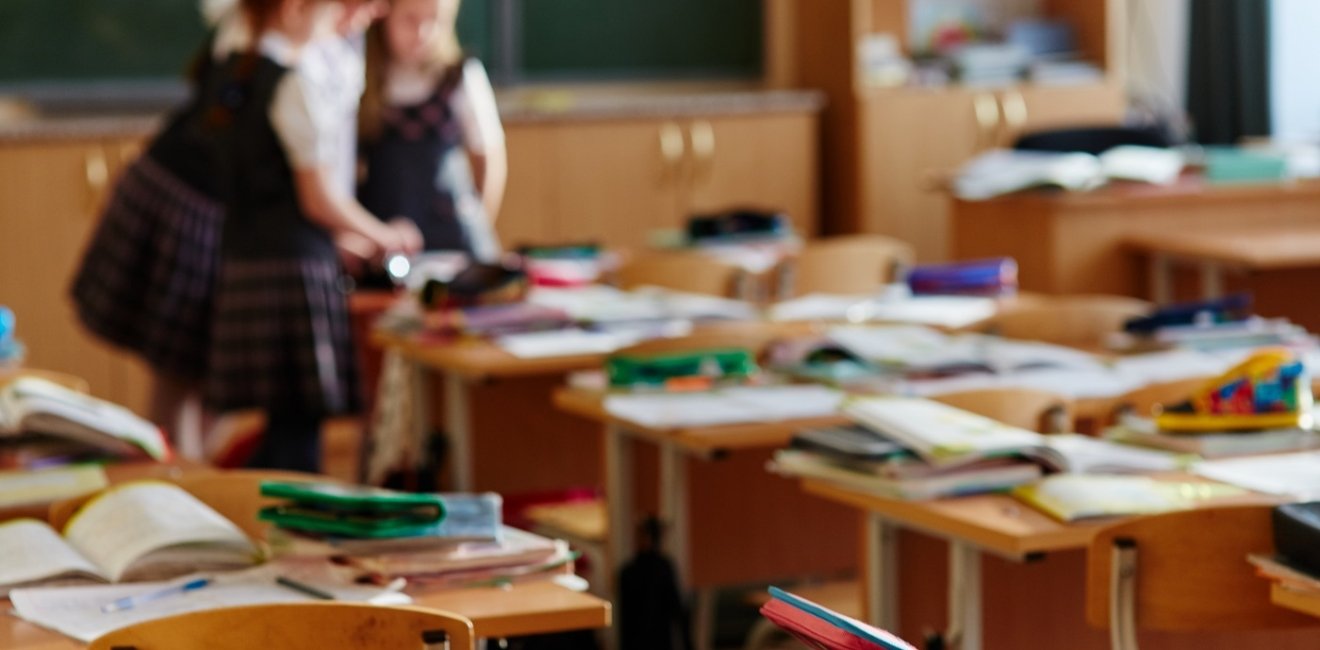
1157	56
1294	89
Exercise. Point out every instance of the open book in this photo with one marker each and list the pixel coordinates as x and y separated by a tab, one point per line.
137	531
945	436
1005	171
30	406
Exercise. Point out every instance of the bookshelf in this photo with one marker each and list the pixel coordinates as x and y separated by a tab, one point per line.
886	149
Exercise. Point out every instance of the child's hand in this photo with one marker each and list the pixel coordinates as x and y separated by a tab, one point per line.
409	237
354	250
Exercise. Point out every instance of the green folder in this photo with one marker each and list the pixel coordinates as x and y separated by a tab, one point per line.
352	511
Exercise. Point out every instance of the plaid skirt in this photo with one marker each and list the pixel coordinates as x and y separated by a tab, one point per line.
280	339
147	276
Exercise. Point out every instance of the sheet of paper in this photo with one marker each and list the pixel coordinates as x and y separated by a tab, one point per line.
939	311
128	522
76	611
820	306
22	487
727	406
1170	365
1296	474
562	343
1088	455
32	550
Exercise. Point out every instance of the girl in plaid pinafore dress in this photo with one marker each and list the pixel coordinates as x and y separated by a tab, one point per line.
427	112
280	336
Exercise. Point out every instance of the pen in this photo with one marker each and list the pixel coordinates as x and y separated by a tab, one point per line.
129	602
303	588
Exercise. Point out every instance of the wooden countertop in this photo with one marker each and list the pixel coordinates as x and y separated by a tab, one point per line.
1190	189
517	106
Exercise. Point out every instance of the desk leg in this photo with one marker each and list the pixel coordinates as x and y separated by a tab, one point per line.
421	414
1161	279
964	596
1212	281
880	566
458	424
674	513
619	510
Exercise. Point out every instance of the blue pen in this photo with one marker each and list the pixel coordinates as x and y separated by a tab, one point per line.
129	602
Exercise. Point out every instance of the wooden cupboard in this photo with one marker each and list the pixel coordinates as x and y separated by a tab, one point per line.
50	196
620	182
887	148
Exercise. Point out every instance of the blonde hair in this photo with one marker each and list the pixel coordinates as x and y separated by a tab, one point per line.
446	52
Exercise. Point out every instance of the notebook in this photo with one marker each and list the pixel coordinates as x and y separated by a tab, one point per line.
1070	497
819	627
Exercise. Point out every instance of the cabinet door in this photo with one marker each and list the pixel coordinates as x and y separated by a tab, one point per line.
761	161
528	213
48	196
913	139
614	182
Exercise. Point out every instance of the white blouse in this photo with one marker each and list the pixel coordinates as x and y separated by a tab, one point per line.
473	102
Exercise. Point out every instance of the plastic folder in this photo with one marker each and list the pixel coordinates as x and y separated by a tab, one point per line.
823	628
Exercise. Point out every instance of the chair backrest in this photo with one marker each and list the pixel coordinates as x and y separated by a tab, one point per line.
235	494
1076	321
850	265
1034	410
1183	571
297	626
692	272
1142	401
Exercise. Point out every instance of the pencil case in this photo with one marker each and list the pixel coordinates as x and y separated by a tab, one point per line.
1205	312
478	284
680	371
737	225
1270	390
990	277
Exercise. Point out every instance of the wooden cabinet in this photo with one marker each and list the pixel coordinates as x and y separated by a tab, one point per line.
50	196
886	149
618	182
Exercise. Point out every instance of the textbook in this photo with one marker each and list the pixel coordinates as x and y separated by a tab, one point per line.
1070	497
945	436
37	409
913	481
1212	444
514	548
819	627
136	531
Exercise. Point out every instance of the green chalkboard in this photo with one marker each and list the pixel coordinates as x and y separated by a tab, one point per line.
88	40
640	38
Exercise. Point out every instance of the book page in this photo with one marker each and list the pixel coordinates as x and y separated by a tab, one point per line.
128	522
1296	475
33	551
23	487
76	611
936	431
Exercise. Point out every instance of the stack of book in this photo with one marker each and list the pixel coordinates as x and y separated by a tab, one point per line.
445	540
43	423
912	448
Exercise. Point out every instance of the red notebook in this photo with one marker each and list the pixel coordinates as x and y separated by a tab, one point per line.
826	629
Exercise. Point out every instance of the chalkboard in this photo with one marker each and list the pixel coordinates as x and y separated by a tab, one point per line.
640	38
87	40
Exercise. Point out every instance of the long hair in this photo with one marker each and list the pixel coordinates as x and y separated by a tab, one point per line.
445	53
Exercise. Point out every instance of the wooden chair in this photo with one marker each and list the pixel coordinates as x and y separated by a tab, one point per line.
848	265
1183	572
685	271
1075	321
1143	401
235	494
300	626
1034	410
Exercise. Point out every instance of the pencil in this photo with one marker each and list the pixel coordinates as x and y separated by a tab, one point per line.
303	588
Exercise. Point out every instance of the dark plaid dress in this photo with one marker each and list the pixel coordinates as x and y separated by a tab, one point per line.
280	338
146	277
417	168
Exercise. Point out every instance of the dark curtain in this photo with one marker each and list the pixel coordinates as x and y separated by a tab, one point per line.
1228	70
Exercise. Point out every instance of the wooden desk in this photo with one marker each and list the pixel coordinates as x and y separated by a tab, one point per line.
1077	242
994	523
754	529
463	362
533	608
1213	252
1304	602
